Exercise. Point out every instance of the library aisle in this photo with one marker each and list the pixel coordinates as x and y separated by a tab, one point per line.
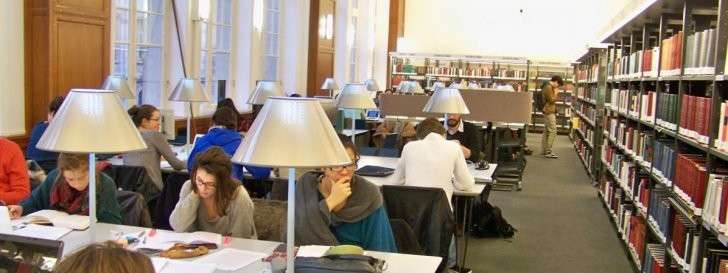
562	225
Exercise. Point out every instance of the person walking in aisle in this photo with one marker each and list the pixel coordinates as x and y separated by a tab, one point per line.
549	112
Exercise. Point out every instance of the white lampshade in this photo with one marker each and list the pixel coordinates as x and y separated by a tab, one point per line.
473	85
91	121
371	85
329	84
413	87
264	90
355	96
446	101
437	86
118	84
292	132
189	90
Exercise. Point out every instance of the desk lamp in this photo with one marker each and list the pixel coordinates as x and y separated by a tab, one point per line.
355	96
121	85
264	90
330	85
407	87
91	121
437	86
372	86
446	101
291	133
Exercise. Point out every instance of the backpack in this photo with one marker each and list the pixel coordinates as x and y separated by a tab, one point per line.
539	100
488	222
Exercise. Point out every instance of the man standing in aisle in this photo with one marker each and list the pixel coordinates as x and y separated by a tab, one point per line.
549	112
465	133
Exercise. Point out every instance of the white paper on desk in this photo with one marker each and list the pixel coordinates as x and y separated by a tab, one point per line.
166	239
173	266
42	232
312	251
230	259
6	225
159	263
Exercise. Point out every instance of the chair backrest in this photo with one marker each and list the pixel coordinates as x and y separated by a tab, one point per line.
427	211
269	217
132	178
390	141
168	199
371	151
388	152
279	189
405	237
134	210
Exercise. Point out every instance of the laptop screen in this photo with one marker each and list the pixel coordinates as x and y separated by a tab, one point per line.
373	114
23	254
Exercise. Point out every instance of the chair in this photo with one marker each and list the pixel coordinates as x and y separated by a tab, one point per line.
269	217
388	152
427	211
371	151
168	199
134	211
133	178
405	237
390	141
279	189
36	173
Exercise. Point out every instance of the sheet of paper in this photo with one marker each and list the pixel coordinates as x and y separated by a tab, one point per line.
173	266
230	259
166	239
159	263
42	232
6	225
312	251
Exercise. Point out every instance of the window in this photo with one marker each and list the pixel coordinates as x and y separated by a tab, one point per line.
139	29
271	34
216	29
354	48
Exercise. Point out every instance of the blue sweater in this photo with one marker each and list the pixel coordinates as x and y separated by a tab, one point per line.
31	152
228	140
371	233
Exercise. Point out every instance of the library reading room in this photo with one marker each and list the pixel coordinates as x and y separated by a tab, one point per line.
363	136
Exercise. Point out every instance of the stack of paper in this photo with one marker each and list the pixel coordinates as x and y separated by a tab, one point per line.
230	259
166	239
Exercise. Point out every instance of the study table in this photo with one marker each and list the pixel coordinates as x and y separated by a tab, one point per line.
395	263
483	178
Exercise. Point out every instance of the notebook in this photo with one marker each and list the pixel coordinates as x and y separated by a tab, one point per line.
57	219
25	254
376	171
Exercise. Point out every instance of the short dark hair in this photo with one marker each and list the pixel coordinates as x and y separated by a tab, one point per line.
139	113
227	102
224	116
429	125
346	141
55	104
558	80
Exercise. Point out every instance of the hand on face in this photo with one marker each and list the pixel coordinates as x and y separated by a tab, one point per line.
205	183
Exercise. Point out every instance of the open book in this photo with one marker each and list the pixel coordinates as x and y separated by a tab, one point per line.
163	240
58	219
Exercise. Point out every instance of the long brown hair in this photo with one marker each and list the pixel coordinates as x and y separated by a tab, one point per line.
139	113
215	162
105	258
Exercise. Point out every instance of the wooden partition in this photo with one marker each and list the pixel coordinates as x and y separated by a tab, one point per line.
484	105
321	48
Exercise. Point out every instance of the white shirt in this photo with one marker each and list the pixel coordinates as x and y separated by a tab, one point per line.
433	162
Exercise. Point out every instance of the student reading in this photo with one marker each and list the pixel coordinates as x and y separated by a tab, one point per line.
213	200
46	160
105	258
339	207
66	189
146	118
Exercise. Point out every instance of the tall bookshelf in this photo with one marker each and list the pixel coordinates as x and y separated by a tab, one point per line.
663	149
590	78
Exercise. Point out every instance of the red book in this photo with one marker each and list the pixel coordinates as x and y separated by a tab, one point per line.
707	106
647	60
678	50
723	203
699	115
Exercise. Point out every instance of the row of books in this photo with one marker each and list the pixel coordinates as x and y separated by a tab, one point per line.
648	106
589	93
650	61
715	208
721	142
715	256
659	210
619	165
684	243
635	235
586	131
621	133
695	117
691	180
590	74
700	52
587	110
671	55
664	159
585	152
667	110
655	260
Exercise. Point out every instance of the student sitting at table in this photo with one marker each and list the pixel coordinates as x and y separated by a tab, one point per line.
339	207
213	201
47	160
66	189
14	181
146	118
105	258
223	134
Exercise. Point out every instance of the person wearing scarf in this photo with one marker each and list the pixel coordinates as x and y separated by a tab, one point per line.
338	207
66	189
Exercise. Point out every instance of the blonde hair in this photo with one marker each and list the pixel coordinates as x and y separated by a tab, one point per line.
105	258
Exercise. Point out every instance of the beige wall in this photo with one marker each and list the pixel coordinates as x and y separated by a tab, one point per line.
12	92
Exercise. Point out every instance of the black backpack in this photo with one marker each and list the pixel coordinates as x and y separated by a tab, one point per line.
538	100
488	222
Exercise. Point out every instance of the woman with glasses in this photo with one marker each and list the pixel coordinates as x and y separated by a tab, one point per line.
338	207
146	117
212	200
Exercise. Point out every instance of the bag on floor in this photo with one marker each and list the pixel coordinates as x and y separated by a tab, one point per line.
488	222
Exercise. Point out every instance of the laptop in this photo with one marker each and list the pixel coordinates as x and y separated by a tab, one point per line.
372	114
25	254
374	171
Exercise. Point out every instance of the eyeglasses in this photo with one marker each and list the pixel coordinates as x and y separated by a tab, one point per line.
210	185
350	167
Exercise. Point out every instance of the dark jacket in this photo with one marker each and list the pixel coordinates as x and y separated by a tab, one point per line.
31	152
228	140
471	138
428	212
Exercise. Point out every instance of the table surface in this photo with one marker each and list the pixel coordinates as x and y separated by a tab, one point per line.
347	132
395	262
482	177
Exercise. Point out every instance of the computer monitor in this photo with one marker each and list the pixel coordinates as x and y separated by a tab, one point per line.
372	114
25	254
